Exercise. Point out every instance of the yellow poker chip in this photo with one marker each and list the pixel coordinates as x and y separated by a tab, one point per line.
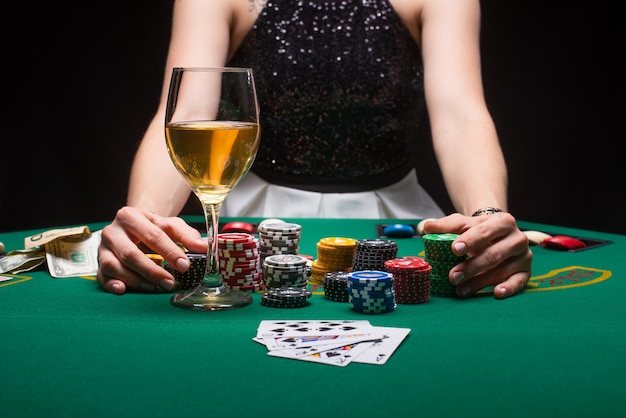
338	242
158	259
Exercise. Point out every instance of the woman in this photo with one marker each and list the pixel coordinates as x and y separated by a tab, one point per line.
342	86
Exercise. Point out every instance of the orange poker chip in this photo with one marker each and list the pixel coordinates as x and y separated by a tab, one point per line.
562	242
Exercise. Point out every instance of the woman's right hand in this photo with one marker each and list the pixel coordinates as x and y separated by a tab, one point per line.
122	265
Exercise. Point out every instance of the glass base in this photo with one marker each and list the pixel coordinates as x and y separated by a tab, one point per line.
207	298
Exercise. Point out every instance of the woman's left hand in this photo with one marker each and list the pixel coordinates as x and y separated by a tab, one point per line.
499	253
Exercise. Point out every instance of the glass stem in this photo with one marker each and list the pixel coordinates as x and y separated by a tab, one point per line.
212	276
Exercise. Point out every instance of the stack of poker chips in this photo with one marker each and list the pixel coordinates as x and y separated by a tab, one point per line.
285	297
333	254
193	276
411	279
371	291
371	254
278	238
285	270
438	253
336	286
238	261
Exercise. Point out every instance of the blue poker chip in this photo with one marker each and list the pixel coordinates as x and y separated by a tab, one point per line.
370	275
398	231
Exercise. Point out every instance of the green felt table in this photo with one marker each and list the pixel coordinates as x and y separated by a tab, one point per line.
556	350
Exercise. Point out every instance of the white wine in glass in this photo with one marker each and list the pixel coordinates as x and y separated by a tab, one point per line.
212	135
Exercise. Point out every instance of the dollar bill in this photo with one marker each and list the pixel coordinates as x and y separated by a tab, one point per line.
44	238
73	256
22	260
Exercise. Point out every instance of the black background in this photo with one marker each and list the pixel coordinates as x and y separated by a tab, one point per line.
80	85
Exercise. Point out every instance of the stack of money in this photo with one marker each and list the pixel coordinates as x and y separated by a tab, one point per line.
69	252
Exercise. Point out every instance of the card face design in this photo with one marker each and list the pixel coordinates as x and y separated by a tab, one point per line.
380	350
331	342
294	328
340	356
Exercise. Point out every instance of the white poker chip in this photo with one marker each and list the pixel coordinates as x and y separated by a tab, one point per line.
420	226
270	221
536	237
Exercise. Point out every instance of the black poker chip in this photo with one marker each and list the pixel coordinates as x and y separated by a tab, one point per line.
336	286
371	254
286	297
192	277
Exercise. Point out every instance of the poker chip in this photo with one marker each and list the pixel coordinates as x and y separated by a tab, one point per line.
336	286
244	227
371	291
411	279
286	297
285	271
536	237
270	221
438	253
562	242
398	231
421	224
193	276
157	258
277	237
333	254
371	254
238	261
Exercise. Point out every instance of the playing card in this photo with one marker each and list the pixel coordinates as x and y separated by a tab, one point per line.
340	356
329	342
281	328
336	343
293	334
380	350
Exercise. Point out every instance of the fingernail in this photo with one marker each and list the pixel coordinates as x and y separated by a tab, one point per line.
166	284
117	288
457	277
460	248
465	290
182	264
502	291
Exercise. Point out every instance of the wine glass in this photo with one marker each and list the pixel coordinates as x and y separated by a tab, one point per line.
212	136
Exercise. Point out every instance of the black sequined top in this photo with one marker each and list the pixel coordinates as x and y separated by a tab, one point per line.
340	90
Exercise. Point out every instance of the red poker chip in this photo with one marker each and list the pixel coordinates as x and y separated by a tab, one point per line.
235	237
234	227
562	242
249	253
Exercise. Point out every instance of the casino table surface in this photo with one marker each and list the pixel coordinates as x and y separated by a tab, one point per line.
556	350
